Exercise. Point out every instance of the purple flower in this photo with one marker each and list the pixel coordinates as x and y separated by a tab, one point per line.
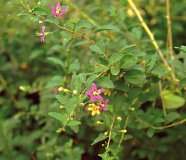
94	93
57	11
42	34
103	105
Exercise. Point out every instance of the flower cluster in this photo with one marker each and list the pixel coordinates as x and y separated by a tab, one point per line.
97	104
55	11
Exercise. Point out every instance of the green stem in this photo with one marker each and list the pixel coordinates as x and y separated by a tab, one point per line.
63	28
123	134
109	138
162	127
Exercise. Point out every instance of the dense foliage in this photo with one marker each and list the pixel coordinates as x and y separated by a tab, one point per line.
88	80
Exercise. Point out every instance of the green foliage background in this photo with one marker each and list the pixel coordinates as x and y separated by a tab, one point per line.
31	73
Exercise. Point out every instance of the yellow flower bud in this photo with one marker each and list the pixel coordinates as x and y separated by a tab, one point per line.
82	104
119	118
61	106
106	133
60	130
60	89
24	88
99	122
123	131
143	63
132	109
40	22
66	90
74	92
39	3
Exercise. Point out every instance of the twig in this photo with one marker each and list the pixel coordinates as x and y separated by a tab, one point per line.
123	133
110	134
169	29
162	127
163	105
63	28
156	46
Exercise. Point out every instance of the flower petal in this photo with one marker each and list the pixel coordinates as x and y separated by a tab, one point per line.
63	11
92	98
53	8
94	87
89	92
58	5
43	29
99	98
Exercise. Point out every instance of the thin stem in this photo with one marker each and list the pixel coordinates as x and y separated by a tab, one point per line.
154	42
74	33
169	30
162	127
63	28
163	105
123	134
110	134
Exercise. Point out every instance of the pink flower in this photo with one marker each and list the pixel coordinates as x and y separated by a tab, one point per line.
42	34
94	93
57	11
103	105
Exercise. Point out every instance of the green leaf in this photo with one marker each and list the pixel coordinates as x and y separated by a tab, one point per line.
53	20
115	70
128	61
56	61
76	83
150	132
40	11
105	82
171	101
135	76
74	66
108	27
61	117
125	48
83	24
75	128
137	32
97	49
115	58
23	13
101	137
71	105
152	62
91	79
74	123
172	116
69	43
100	69
183	82
62	99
